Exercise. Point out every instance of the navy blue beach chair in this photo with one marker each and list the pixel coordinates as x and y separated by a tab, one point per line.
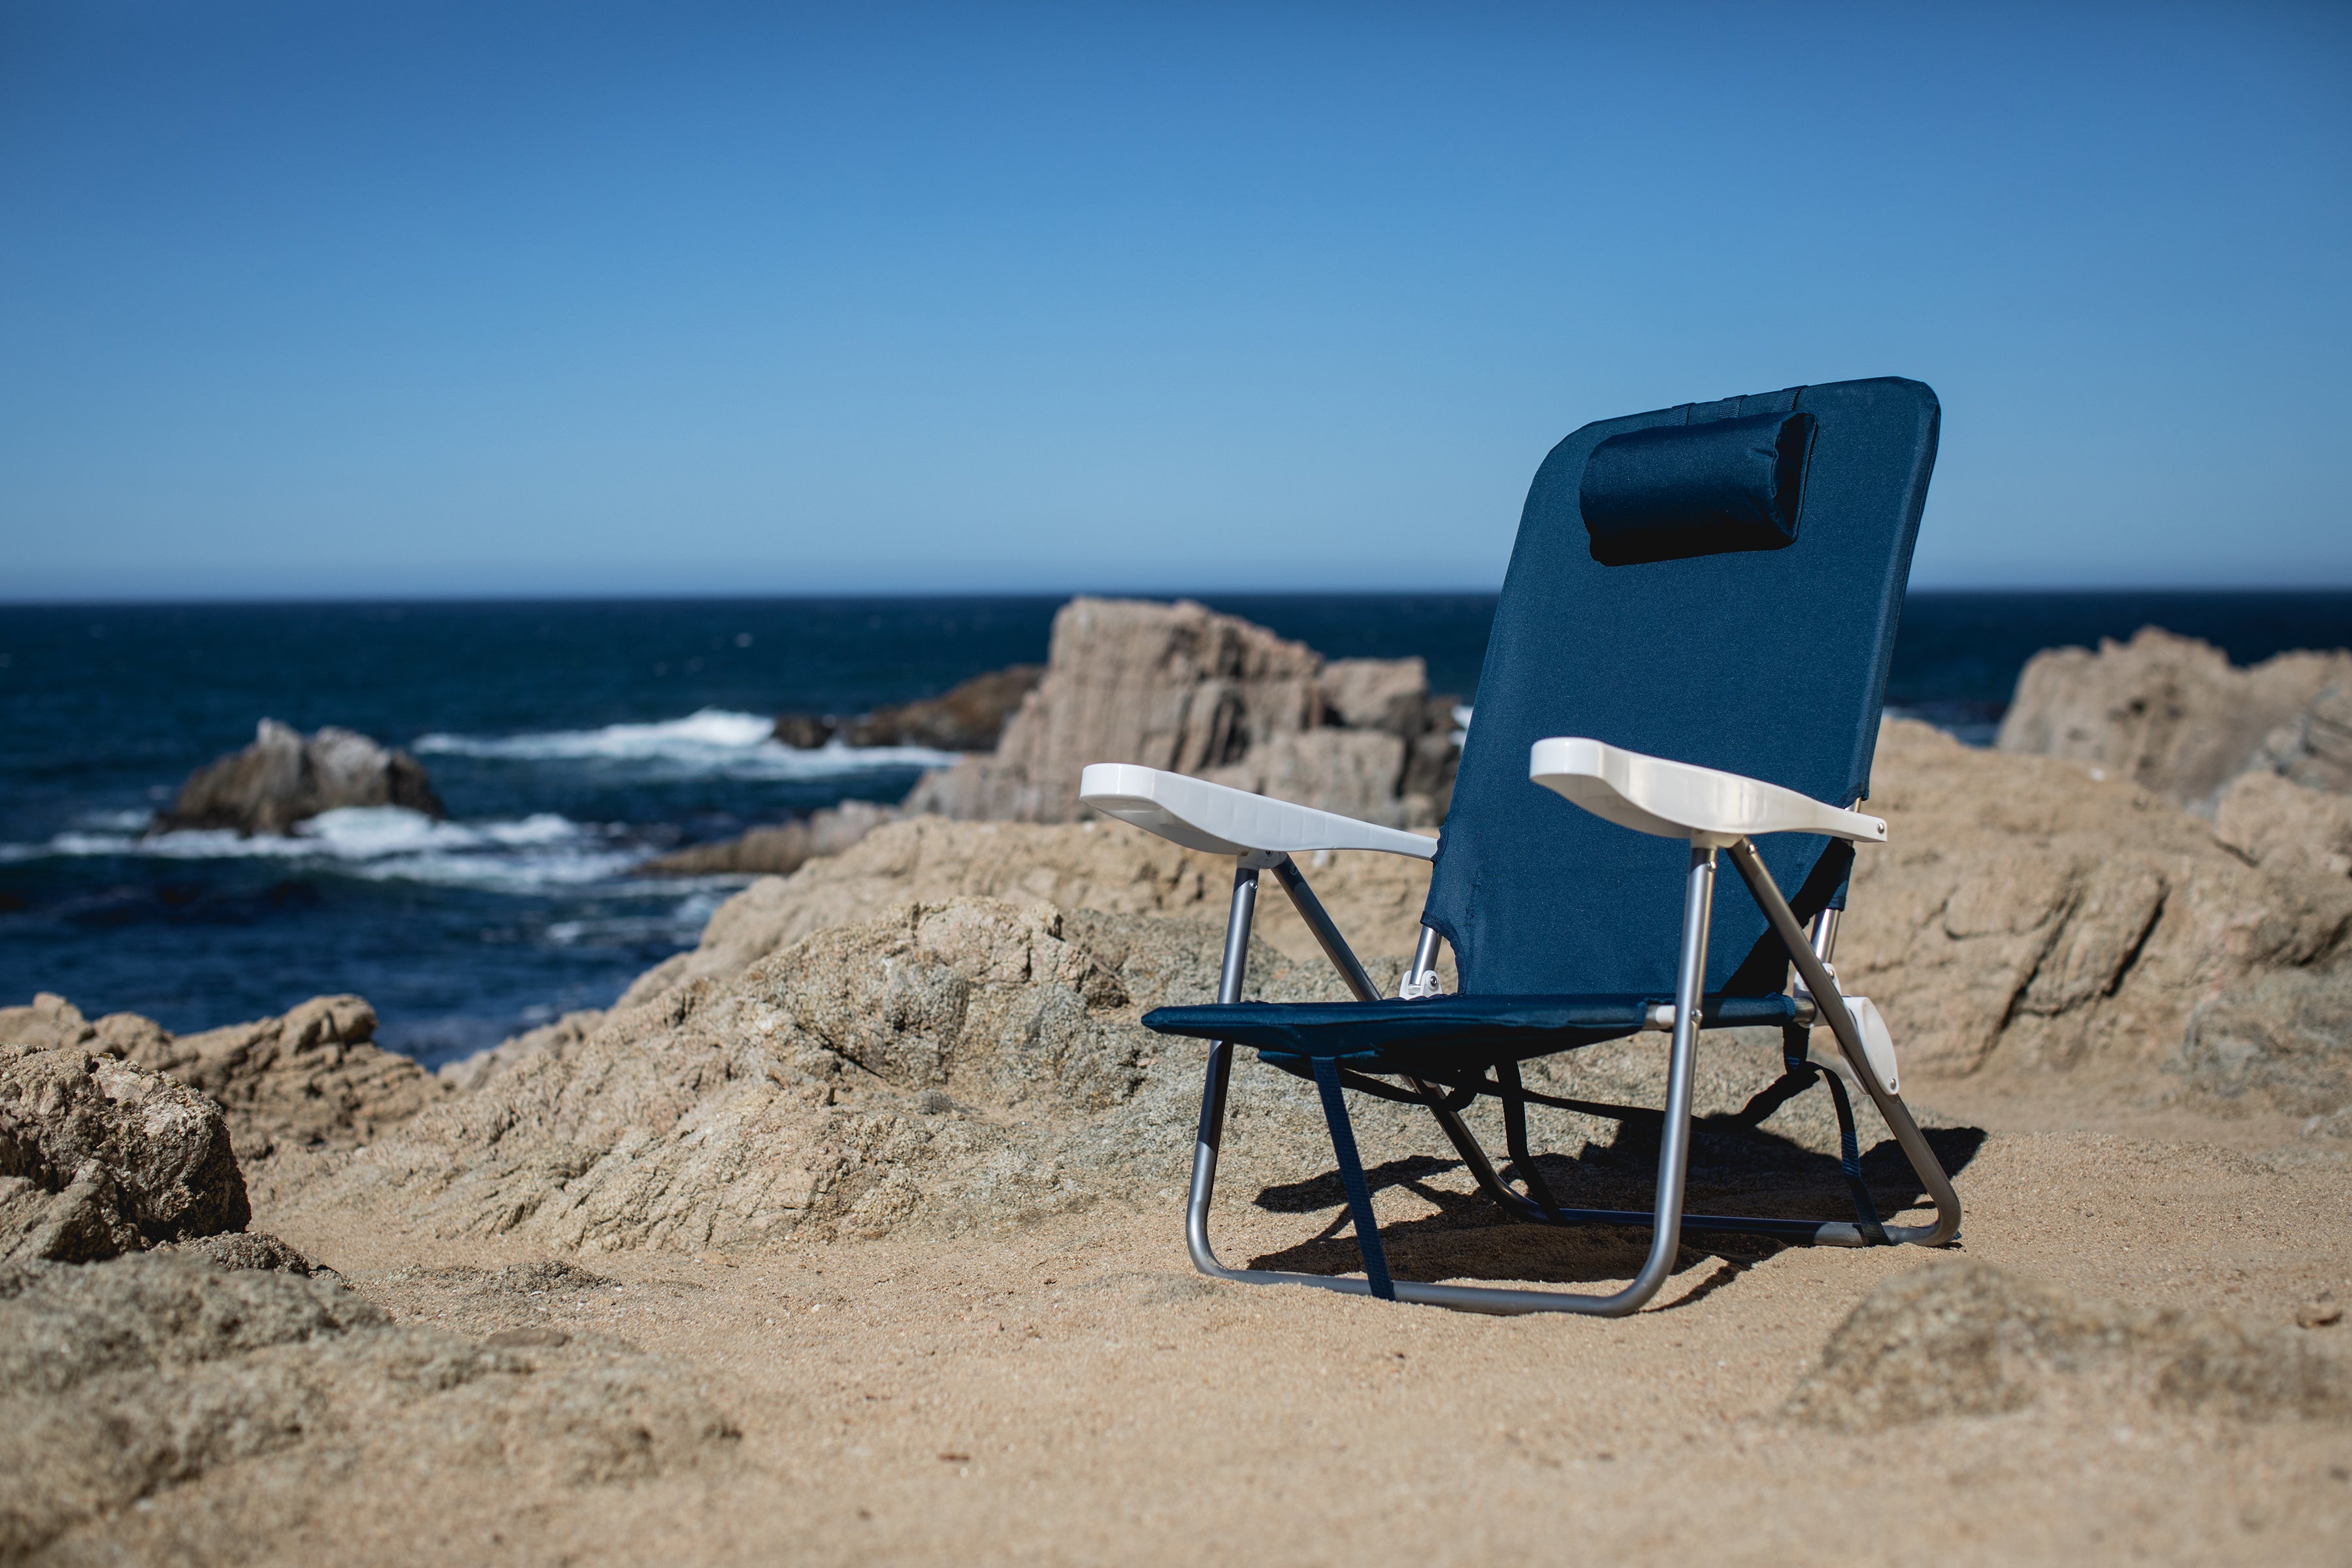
1689	656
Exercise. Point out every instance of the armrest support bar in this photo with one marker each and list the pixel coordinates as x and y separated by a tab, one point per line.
1678	800
1832	1010
1223	820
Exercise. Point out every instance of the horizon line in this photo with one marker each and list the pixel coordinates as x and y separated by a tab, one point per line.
229	601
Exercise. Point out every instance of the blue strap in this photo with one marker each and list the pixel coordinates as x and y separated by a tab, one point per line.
1797	1075
1351	1176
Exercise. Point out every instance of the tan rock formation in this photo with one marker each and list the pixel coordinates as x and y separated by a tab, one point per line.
2275	823
99	1156
130	1382
967	717
937	1068
2172	714
1104	866
1181	688
2026	913
776	851
1961	1337
286	776
312	1079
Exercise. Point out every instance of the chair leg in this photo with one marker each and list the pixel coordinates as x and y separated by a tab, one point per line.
1674	1153
1830	1002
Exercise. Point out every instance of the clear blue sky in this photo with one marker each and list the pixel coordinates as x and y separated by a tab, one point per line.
369	298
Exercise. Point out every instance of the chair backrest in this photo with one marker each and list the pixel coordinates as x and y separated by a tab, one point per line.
1657	600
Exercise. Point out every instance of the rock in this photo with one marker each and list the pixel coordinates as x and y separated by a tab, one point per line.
2274	822
100	1156
1390	694
1961	1337
472	1072
134	1381
939	1067
805	732
2172	714
244	1249
2025	913
2281	1041
1376	899
967	717
311	1078
1355	772
942	1067
2313	748
776	851
285	777
1181	688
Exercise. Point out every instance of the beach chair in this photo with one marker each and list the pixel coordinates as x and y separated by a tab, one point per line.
1688	657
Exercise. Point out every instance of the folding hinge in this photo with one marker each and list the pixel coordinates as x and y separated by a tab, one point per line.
1416	987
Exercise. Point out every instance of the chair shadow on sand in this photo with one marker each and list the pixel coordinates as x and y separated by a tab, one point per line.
1733	1168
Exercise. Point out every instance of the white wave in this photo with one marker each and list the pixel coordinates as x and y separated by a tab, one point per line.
390	843
711	740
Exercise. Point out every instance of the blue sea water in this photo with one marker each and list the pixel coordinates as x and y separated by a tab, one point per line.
571	741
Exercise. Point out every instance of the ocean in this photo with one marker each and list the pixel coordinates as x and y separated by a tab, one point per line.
572	739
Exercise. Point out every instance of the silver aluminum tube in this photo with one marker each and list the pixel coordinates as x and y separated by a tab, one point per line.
1230	979
1818	979
1326	934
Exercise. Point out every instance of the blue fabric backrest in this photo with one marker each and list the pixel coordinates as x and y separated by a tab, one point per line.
1770	662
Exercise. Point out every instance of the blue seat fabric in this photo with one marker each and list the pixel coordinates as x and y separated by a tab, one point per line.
1444	1033
1768	663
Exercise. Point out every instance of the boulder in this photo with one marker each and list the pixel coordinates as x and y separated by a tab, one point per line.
1181	688
285	777
2313	748
2032	914
2279	1041
775	851
1376	899
2173	715
940	1068
967	717
2024	914
99	1155
129	1383
1957	1337
2271	821
312	1079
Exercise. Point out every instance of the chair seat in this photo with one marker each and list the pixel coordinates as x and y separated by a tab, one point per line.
1438	1031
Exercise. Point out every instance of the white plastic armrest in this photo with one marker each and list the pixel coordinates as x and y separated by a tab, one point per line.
1676	800
1223	820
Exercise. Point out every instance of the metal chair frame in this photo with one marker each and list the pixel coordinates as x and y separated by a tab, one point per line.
1815	982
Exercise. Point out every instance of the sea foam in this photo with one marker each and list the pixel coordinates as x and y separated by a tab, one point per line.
389	843
711	740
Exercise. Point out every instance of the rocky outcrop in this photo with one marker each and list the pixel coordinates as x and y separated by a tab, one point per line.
2030	913
968	717
2273	822
286	776
1376	899
2024	914
1181	688
130	1382
939	1068
313	1079
98	1155
2173	715
775	851
1962	1338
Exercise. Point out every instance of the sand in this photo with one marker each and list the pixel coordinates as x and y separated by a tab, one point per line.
1072	1392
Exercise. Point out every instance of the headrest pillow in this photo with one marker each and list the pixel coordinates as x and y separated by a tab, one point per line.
1673	491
